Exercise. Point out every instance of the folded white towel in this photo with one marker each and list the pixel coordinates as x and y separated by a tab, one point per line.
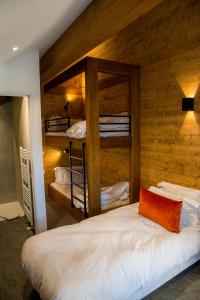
118	191
104	205
77	130
62	175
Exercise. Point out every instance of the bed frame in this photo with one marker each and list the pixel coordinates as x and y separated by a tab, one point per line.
153	285
65	203
118	73
56	127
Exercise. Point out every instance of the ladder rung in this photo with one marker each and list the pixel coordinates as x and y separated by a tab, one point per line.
78	185
75	157
78	199
77	172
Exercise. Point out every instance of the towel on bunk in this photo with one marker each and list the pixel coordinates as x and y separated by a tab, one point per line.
78	130
63	177
109	195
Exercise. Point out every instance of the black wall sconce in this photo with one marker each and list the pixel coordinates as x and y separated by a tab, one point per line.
66	106
66	151
188	104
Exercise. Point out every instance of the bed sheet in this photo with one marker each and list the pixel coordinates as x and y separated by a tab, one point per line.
109	256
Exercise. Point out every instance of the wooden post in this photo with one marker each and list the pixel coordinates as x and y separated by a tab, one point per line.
93	140
135	135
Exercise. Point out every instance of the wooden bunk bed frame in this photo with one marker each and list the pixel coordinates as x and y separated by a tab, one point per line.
121	72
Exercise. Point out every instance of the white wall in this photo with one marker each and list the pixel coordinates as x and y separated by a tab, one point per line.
20	77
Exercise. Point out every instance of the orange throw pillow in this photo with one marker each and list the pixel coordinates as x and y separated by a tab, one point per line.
164	211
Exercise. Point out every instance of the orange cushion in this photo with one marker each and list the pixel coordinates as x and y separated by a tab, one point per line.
164	211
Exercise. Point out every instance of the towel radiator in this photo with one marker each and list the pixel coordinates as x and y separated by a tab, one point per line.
25	163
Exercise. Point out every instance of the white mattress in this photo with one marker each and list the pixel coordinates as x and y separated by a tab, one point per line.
112	256
65	190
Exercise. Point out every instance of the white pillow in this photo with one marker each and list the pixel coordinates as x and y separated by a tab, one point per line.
62	175
180	190
189	212
78	178
188	203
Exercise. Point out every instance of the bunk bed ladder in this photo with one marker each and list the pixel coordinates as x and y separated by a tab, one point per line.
83	174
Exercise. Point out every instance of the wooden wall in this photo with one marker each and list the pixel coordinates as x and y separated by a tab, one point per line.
100	21
166	44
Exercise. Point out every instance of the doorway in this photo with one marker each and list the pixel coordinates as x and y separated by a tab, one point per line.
15	135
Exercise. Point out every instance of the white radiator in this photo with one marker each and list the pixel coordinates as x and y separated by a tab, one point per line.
27	184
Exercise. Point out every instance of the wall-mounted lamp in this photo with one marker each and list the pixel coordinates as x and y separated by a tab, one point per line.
66	106
66	151
188	104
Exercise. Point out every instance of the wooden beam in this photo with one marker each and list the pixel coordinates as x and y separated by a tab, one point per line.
135	134
115	142
120	70
113	67
100	21
62	90
112	81
93	141
66	75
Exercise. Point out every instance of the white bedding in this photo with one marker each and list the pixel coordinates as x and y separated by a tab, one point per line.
107	257
78	130
65	189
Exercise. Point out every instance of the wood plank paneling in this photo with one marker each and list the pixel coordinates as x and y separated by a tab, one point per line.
100	21
166	44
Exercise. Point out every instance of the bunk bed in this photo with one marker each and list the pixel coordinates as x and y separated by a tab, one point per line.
103	130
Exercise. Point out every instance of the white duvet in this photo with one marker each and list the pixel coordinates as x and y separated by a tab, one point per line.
106	257
79	131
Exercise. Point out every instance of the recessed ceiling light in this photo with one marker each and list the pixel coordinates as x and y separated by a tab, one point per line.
14	48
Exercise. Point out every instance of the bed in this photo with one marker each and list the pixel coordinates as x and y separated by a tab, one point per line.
116	255
109	126
65	190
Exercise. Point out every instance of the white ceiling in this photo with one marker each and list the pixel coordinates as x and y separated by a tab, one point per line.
35	24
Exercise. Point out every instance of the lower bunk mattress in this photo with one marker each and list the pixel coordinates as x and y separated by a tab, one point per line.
117	255
65	190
